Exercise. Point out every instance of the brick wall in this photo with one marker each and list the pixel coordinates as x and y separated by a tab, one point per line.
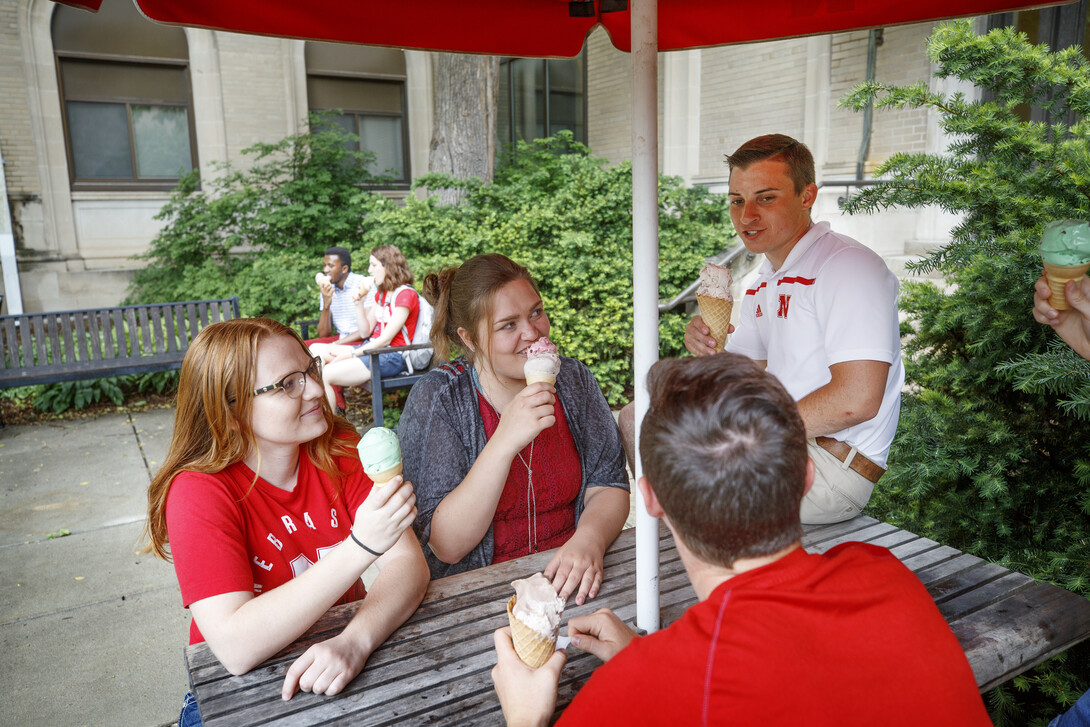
746	91
609	99
256	105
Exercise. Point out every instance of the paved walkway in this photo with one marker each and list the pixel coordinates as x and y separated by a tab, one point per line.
91	631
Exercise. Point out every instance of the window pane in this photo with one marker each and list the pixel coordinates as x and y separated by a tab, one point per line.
118	28
99	135
382	136
503	105
566	97
162	141
527	82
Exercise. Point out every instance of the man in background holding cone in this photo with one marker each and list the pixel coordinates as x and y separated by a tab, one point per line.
822	317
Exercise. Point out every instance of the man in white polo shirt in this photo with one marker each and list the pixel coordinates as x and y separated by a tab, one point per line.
336	286
822	316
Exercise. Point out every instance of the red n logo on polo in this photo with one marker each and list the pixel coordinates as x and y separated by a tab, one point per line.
785	300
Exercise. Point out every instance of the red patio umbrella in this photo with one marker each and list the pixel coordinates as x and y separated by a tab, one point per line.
558	28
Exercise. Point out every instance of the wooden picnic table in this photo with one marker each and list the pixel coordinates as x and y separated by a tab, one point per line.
435	669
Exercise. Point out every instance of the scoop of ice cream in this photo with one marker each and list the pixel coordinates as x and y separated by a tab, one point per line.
537	605
322	279
1066	242
541	358
379	449
715	282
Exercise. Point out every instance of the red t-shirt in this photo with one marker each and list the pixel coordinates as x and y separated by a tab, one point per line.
385	302
558	477
226	536
848	638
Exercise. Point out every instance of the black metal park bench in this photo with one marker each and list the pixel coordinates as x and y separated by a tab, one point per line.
46	348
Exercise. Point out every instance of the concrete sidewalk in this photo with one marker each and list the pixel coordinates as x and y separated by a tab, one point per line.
91	632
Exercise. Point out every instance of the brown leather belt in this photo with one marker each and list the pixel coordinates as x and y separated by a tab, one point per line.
859	463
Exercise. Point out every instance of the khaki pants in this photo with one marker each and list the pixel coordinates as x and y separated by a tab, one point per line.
838	493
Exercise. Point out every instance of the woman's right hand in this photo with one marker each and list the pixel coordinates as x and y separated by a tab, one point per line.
532	411
388	510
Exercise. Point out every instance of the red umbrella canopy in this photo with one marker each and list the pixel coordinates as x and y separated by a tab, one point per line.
550	28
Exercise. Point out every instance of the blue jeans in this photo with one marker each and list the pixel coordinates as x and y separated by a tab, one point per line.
1077	716
389	364
190	716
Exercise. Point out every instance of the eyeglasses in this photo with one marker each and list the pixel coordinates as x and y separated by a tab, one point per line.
294	383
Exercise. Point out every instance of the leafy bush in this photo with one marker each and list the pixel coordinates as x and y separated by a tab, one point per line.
552	206
990	454
566	216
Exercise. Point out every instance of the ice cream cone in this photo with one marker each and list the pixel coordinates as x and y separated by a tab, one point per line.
716	315
381	478
1057	276
533	648
534	378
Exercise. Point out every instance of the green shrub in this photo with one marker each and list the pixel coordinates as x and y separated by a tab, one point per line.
991	454
566	216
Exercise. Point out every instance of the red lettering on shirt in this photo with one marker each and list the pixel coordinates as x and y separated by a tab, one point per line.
753	291
785	300
759	313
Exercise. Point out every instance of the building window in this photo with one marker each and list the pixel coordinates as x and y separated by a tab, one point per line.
363	89
537	98
125	98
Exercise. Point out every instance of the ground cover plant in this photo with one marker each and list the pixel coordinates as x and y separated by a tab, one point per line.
991	454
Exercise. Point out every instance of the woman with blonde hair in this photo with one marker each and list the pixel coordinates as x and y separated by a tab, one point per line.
501	468
389	308
264	508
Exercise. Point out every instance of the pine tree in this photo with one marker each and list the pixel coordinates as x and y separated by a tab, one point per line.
992	453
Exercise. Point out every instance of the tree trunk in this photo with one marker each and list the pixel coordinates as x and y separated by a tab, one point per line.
463	144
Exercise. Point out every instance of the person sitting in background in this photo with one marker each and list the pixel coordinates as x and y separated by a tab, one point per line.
264	508
502	468
389	309
337	312
779	636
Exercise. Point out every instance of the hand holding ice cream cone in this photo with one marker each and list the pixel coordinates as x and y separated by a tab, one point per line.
1065	251
716	301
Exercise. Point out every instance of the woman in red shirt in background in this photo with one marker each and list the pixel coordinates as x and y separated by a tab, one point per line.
264	508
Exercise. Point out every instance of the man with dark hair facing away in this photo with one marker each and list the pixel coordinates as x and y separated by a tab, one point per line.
779	636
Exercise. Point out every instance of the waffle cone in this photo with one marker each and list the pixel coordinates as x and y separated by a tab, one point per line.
533	648
381	478
534	378
1057	276
716	315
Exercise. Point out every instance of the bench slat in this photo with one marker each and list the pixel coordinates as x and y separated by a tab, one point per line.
53	325
66	328
134	333
39	340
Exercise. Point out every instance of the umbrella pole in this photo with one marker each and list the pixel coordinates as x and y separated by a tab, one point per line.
645	277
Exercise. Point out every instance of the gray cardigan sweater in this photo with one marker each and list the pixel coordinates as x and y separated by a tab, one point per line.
442	434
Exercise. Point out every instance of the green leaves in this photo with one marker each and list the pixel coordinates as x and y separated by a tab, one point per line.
991	454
